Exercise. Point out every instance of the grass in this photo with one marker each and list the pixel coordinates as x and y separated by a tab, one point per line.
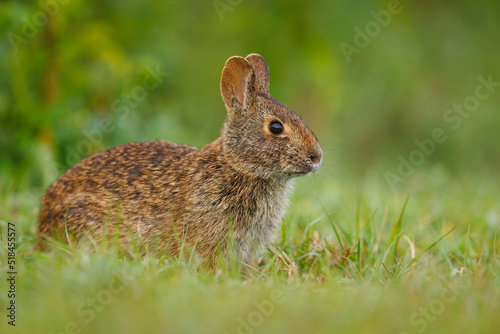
354	257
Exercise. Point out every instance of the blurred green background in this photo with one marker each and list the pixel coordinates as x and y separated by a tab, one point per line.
68	67
372	79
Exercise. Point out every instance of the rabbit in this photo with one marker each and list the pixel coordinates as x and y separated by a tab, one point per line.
170	196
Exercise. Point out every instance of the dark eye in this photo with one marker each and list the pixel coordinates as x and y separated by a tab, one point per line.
276	127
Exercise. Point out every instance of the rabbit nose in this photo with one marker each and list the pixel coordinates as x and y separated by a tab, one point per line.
315	158
316	155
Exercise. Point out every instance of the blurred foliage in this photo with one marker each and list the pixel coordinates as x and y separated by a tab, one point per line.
76	78
65	64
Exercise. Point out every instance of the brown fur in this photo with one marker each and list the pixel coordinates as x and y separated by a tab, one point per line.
165	194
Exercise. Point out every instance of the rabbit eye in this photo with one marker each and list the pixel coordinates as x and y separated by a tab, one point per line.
276	127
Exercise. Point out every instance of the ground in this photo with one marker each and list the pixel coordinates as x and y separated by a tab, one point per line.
351	258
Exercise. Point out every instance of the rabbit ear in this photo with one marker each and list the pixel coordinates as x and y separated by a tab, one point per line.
261	73
237	84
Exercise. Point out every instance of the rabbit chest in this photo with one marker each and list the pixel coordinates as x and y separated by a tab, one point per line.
232	203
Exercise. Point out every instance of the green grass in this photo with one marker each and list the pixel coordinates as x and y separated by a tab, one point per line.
352	257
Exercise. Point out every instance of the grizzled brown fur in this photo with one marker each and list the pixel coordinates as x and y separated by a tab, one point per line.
167	194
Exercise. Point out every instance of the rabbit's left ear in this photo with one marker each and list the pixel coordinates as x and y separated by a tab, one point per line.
261	73
237	85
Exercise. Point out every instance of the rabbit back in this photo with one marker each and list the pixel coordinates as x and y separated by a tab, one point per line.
112	186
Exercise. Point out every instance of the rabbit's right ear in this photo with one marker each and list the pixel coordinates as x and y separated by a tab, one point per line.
261	73
237	84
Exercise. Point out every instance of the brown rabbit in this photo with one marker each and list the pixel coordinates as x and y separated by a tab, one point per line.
170	196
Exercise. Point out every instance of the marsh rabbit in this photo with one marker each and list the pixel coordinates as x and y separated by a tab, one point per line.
165	196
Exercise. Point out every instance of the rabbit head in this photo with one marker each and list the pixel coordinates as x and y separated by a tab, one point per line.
260	135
